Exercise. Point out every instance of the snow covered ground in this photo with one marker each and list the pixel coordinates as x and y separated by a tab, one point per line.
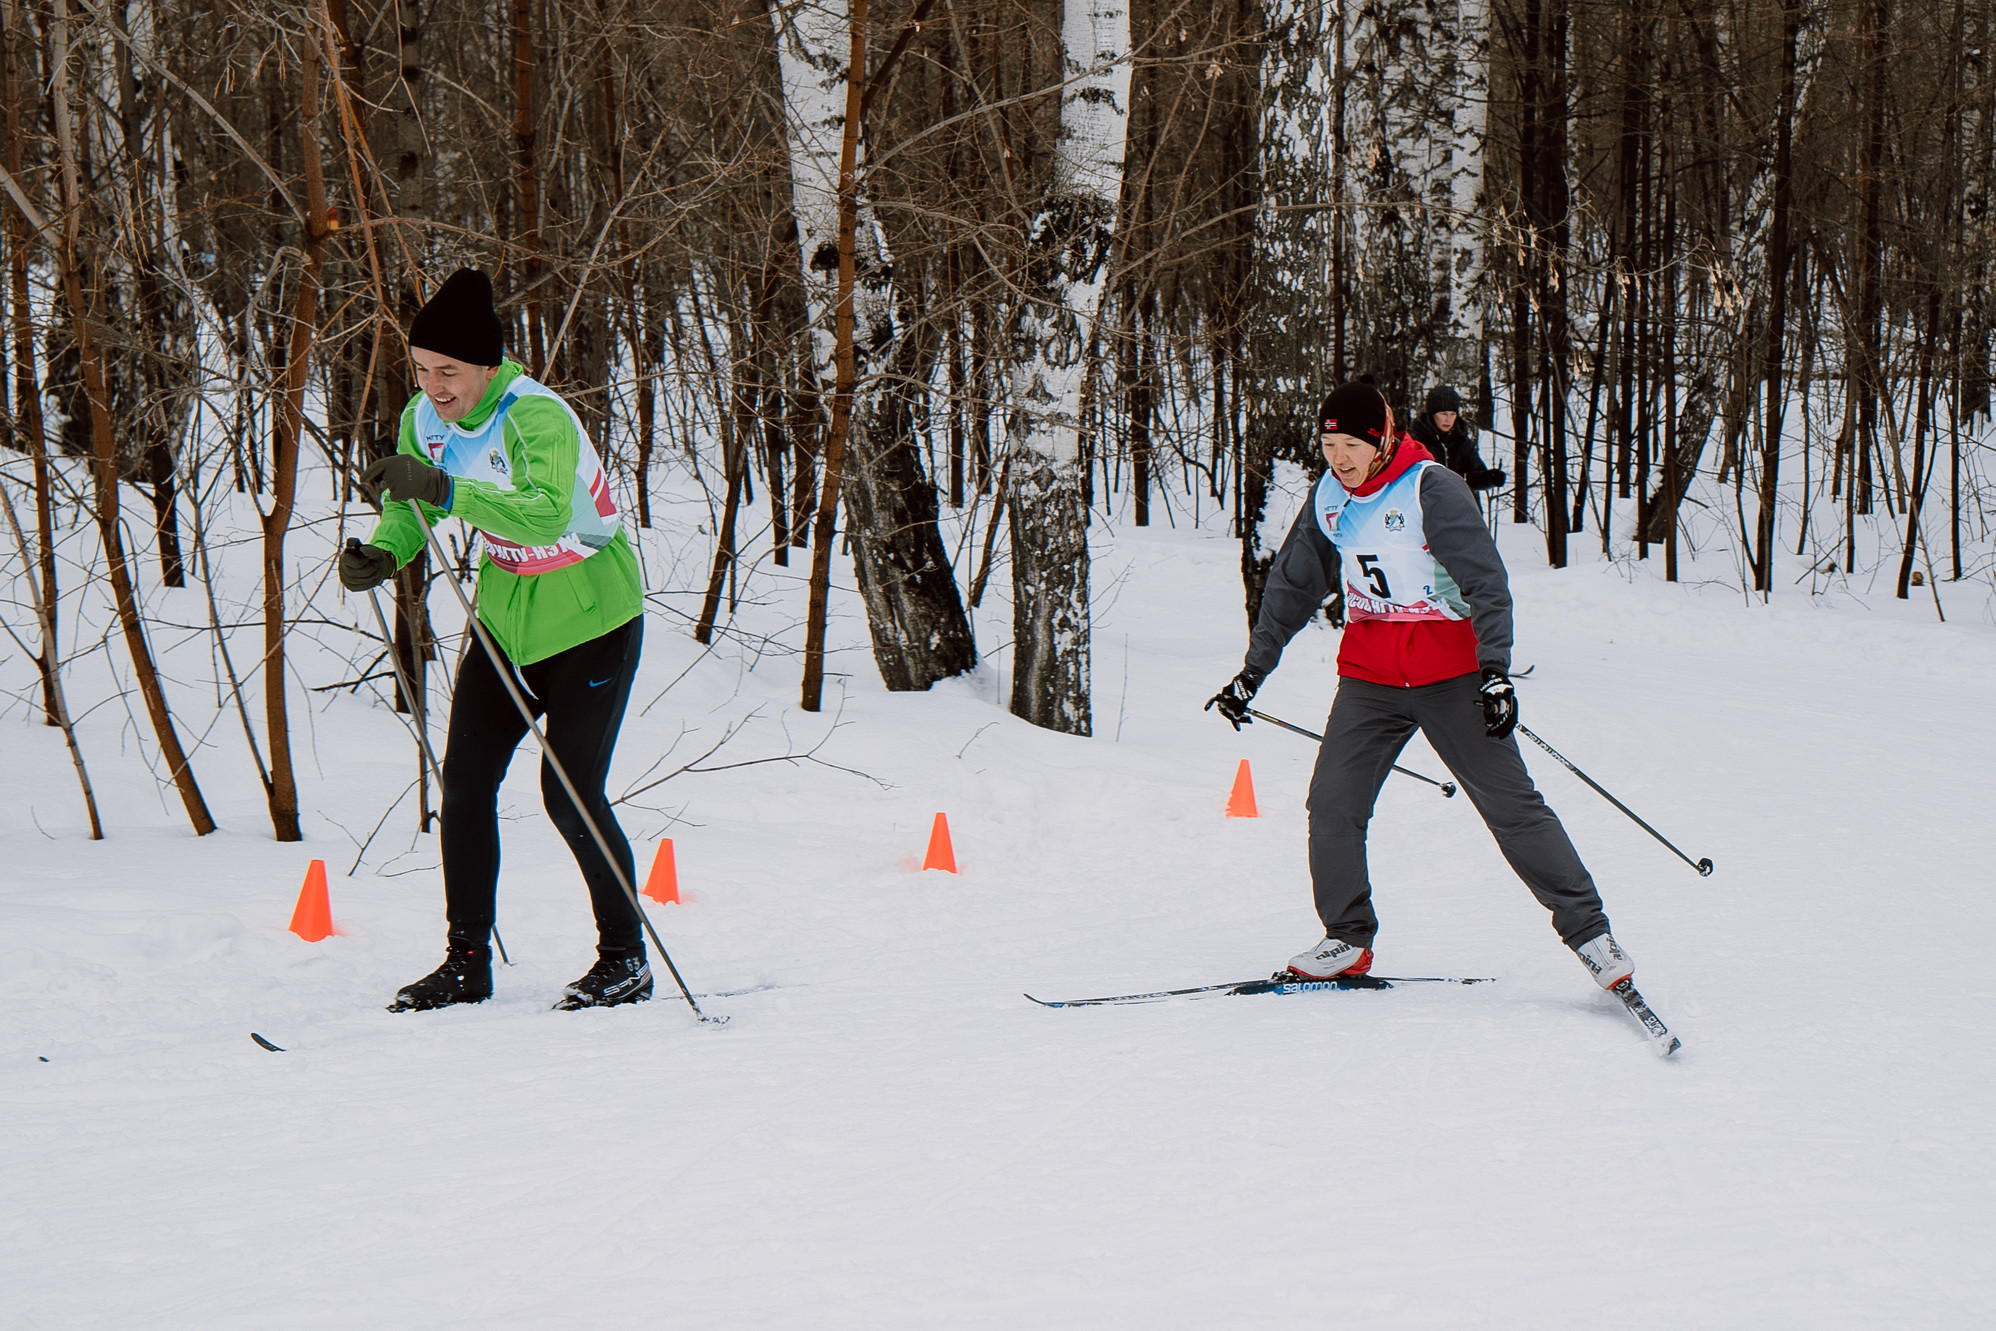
887	1134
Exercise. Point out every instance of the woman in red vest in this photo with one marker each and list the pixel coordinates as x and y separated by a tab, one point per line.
1427	646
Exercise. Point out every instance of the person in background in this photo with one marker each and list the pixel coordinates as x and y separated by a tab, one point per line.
1452	440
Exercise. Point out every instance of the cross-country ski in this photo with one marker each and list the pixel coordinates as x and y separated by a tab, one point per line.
1282	982
1657	1033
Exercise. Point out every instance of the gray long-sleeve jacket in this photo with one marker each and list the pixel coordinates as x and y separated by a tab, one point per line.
1399	652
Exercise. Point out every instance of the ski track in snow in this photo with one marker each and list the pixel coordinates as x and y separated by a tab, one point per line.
892	1136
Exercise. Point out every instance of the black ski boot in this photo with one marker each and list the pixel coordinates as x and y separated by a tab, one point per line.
465	977
612	980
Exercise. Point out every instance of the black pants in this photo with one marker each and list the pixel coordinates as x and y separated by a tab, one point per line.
1369	725
579	696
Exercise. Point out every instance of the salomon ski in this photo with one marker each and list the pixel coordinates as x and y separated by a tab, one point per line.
1282	982
1659	1034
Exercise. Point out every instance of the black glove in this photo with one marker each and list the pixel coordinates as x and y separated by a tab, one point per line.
364	566
1233	700
1500	703
1334	608
1486	478
399	477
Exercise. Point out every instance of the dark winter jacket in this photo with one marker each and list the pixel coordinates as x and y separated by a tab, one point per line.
1393	651
1457	449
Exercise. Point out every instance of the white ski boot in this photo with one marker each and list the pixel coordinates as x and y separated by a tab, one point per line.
1605	961
1331	957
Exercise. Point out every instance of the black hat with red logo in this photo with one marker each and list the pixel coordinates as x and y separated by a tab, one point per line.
1356	409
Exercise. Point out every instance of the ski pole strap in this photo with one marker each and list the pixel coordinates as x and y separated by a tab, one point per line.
1703	866
1446	787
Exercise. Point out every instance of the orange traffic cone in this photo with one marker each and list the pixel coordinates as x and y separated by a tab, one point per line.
313	920
940	855
663	885
1240	804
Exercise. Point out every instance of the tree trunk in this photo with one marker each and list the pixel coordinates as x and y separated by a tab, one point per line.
104	440
847	214
914	612
1066	269
1777	302
28	423
284	449
526	176
1867	359
1552	229
913	609
1468	217
1291	304
50	669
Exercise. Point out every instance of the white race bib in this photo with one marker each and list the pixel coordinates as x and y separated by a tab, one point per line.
482	455
1388	571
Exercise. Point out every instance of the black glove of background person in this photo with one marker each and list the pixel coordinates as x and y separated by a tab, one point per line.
1499	701
364	566
400	477
1233	700
1486	478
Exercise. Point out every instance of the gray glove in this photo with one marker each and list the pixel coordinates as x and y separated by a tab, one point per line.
399	477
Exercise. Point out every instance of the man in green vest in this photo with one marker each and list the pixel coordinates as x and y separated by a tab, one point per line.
560	592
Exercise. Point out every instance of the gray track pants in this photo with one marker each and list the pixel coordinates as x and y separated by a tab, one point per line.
1369	725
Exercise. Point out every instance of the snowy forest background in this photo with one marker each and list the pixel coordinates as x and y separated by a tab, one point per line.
1712	274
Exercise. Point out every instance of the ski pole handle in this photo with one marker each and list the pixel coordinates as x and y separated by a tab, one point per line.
1446	787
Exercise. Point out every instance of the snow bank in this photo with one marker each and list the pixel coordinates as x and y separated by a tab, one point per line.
888	1135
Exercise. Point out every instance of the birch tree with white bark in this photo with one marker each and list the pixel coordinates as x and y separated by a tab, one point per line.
1291	321
1463	52
1069	244
1416	77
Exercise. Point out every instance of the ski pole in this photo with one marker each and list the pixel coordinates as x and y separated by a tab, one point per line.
1447	787
504	668
1703	866
415	722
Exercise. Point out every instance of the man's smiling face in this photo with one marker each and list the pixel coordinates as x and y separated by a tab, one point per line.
453	386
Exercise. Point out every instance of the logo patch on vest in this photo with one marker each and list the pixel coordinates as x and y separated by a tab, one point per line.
1395	520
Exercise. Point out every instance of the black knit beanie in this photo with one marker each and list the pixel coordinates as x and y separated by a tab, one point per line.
1443	399
459	321
1357	410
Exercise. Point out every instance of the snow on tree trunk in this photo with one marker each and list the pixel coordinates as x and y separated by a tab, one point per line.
914	611
1290	331
1067	262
